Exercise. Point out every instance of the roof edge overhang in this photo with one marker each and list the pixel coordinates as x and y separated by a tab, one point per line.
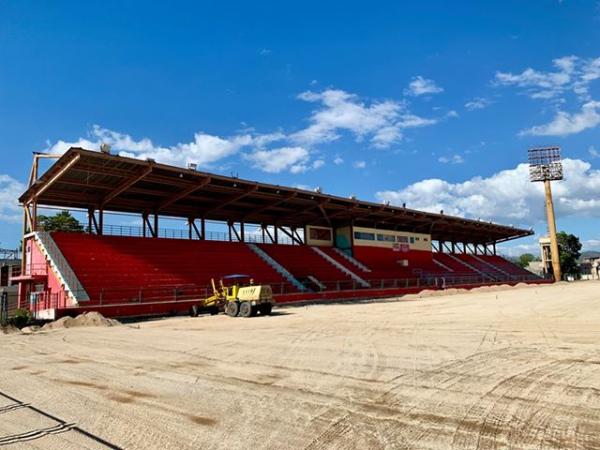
384	216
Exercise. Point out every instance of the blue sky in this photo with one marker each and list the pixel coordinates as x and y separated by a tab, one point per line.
430	103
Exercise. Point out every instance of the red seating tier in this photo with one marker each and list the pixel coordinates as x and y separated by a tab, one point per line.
506	266
483	267
385	263
302	261
119	266
458	268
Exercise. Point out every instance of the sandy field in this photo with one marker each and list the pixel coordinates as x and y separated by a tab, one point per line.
494	369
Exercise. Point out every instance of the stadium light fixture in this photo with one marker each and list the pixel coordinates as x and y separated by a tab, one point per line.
545	165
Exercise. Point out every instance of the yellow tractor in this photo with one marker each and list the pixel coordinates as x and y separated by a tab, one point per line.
237	295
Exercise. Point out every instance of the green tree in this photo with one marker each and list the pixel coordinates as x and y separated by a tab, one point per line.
63	221
569	250
525	259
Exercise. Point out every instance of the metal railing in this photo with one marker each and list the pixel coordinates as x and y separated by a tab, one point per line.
178	233
33	269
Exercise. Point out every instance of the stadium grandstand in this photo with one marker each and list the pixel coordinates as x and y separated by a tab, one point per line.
306	244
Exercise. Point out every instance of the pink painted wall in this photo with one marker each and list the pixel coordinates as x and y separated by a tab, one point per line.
53	292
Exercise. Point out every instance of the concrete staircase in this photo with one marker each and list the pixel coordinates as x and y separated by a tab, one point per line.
278	267
351	260
60	266
492	266
342	268
475	269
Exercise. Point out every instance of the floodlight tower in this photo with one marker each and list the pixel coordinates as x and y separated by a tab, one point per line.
545	165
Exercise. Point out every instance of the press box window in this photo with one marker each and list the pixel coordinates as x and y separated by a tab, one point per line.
385	238
364	236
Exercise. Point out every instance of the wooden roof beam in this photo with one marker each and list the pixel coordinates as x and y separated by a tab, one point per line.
181	195
270	205
125	185
232	199
54	179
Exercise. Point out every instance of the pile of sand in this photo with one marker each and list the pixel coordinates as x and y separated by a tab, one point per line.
88	319
9	329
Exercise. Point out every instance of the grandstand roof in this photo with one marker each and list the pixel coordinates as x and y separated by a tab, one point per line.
93	180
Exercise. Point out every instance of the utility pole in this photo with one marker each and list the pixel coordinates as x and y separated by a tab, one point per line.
545	165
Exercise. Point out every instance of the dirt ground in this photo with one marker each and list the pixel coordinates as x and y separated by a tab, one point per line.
515	368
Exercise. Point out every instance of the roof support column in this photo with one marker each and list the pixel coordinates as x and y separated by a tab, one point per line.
265	229
242	234
300	240
155	225
276	234
34	215
90	221
494	244
202	228
231	225
100	221
148	226
453	247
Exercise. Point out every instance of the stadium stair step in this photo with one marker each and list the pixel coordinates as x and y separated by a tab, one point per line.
62	269
492	266
462	259
278	267
342	268
351	259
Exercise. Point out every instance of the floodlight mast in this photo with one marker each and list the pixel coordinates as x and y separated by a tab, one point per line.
545	165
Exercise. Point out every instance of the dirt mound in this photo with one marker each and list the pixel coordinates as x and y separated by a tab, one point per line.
89	319
9	329
30	329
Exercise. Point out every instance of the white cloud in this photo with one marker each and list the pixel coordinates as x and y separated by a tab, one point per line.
477	103
203	150
453	159
338	160
341	111
294	159
318	163
381	123
565	123
359	164
593	152
591	244
542	84
507	196
572	74
10	190
422	86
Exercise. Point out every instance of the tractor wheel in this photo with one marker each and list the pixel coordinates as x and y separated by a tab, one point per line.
245	309
214	311
194	311
232	309
254	311
265	309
